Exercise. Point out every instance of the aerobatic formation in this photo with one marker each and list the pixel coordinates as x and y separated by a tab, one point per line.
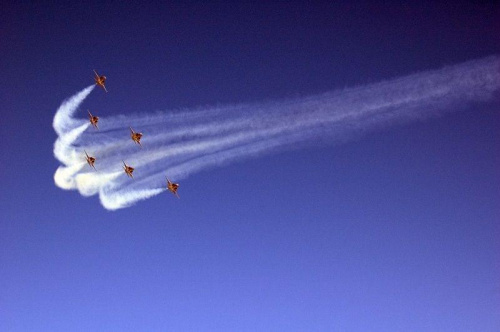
136	137
207	137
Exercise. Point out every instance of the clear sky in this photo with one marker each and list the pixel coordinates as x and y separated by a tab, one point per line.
397	230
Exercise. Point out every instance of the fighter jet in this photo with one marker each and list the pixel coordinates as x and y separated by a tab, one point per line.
172	187
93	120
100	80
136	137
129	170
90	160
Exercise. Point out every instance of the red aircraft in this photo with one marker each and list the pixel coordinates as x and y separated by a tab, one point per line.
129	170
172	187
100	80
93	120
136	137
90	160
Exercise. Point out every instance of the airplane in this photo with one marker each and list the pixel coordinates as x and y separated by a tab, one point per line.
172	187
93	120
90	160
100	80
129	170
136	137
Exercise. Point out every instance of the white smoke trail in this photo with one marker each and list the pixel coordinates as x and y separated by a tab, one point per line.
179	144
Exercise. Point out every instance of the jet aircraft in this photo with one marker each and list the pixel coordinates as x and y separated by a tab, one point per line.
90	160
128	170
136	137
172	187
93	120
100	80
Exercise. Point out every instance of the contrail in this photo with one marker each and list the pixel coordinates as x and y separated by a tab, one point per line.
177	144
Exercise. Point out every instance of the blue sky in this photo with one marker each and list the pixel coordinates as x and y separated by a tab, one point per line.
395	230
